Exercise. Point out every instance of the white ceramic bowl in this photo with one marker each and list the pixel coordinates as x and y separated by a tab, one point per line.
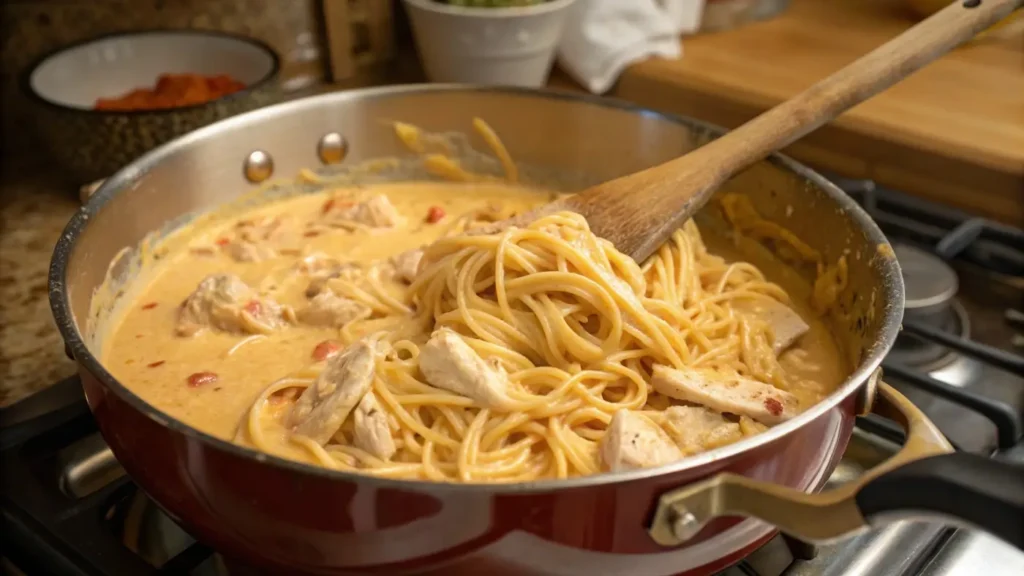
91	143
110	66
509	46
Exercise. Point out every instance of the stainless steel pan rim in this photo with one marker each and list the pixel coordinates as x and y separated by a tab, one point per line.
891	290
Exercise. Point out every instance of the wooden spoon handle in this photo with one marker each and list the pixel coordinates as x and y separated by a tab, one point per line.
628	210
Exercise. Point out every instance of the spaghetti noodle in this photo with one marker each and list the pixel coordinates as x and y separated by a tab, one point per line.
575	324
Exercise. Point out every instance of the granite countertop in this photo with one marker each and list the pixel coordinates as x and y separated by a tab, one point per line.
34	207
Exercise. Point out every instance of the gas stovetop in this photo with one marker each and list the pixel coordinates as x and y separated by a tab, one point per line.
69	509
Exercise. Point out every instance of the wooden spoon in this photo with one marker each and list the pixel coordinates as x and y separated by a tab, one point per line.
639	212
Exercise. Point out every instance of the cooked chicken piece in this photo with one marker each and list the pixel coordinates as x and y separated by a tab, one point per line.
318	283
317	263
329	309
323	407
245	251
731	394
749	427
372	433
695	428
787	325
262	229
447	362
632	441
224	302
255	240
377	212
407	264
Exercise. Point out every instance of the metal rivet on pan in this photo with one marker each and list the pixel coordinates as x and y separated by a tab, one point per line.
258	166
332	148
684	524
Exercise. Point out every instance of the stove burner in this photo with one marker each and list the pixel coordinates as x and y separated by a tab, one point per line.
930	283
931	287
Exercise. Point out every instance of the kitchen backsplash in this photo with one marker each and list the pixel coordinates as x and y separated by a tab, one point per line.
31	28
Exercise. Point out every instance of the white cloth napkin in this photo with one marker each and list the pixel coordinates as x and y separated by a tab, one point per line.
602	37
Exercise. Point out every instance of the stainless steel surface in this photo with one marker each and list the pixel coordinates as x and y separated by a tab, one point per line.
332	148
929	281
895	550
772	559
971	553
577	138
983	299
952	368
90	466
258	166
935	359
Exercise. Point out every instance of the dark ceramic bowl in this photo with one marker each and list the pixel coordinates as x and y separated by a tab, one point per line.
90	144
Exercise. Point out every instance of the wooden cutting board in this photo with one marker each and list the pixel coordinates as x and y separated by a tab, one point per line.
953	132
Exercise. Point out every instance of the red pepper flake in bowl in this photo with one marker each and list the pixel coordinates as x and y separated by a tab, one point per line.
325	350
174	91
200	378
253	308
435	214
149	306
155	364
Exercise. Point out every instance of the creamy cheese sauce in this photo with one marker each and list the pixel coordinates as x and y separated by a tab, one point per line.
143	350
145	354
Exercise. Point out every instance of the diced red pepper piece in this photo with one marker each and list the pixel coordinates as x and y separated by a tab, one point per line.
199	378
325	350
773	406
253	307
435	214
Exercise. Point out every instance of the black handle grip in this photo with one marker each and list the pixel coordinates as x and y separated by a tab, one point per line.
979	491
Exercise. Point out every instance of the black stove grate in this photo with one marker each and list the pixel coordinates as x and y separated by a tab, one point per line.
48	531
951	235
948	232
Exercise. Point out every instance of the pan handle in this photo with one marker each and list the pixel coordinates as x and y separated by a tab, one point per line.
925	478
